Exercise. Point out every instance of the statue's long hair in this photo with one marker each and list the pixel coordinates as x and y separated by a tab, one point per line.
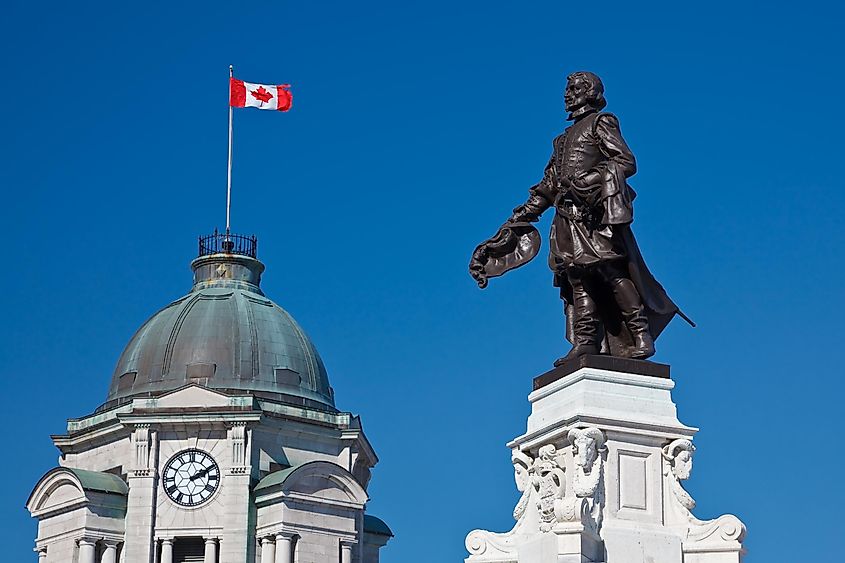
596	93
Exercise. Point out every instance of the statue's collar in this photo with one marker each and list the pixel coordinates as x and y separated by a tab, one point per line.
581	112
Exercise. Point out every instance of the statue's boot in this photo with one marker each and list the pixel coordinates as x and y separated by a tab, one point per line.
633	313
585	326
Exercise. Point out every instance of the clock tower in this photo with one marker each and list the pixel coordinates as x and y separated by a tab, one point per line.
219	441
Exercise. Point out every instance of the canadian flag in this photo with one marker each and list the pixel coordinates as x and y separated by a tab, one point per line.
248	95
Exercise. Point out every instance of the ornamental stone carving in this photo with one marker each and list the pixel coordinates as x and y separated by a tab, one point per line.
522	465
548	503
144	443
589	452
238	439
587	449
724	533
677	465
549	482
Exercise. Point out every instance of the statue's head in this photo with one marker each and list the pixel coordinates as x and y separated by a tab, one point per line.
584	92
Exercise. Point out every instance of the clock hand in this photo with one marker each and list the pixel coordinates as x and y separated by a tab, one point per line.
200	473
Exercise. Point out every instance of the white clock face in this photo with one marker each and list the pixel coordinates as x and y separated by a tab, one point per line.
191	477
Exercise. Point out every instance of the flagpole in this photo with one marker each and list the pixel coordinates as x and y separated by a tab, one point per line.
229	174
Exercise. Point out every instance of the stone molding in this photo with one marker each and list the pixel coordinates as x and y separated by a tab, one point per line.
356	495
54	479
76	492
236	403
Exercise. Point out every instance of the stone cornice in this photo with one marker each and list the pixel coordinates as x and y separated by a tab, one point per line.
221	418
162	411
554	432
366	448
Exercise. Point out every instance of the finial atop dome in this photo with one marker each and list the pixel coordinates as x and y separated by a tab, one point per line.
227	260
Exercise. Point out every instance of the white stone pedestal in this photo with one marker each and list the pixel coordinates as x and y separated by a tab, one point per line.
600	470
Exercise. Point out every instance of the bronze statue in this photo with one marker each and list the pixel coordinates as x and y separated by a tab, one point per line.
613	304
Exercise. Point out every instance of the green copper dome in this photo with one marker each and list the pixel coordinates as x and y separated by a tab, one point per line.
225	334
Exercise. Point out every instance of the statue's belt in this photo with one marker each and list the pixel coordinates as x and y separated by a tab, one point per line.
574	208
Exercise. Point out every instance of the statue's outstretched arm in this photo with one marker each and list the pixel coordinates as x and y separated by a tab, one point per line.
517	241
540	197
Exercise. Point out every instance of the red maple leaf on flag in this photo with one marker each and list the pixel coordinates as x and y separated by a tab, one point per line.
261	94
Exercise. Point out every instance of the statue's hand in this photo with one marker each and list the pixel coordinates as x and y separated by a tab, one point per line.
521	214
476	269
586	180
476	266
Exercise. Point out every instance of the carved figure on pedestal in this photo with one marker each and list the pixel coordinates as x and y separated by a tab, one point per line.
522	465
678	458
613	304
724	530
526	514
550	483
589	450
547	505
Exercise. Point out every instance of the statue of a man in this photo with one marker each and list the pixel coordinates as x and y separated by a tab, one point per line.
613	303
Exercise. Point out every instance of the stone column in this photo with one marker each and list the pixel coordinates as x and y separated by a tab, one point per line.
141	503
268	550
87	551
236	543
166	551
210	550
110	554
284	548
346	551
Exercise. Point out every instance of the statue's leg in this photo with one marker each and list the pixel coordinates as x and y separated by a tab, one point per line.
585	324
631	307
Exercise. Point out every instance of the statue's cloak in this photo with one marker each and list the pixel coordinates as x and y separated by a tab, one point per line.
517	243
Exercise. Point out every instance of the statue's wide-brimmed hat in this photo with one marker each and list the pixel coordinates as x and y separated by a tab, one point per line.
513	245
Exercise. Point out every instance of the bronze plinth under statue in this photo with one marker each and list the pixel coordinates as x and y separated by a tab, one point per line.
613	304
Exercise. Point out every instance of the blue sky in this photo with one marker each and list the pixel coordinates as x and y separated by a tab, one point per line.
415	129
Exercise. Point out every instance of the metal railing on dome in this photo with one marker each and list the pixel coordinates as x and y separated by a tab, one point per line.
227	243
